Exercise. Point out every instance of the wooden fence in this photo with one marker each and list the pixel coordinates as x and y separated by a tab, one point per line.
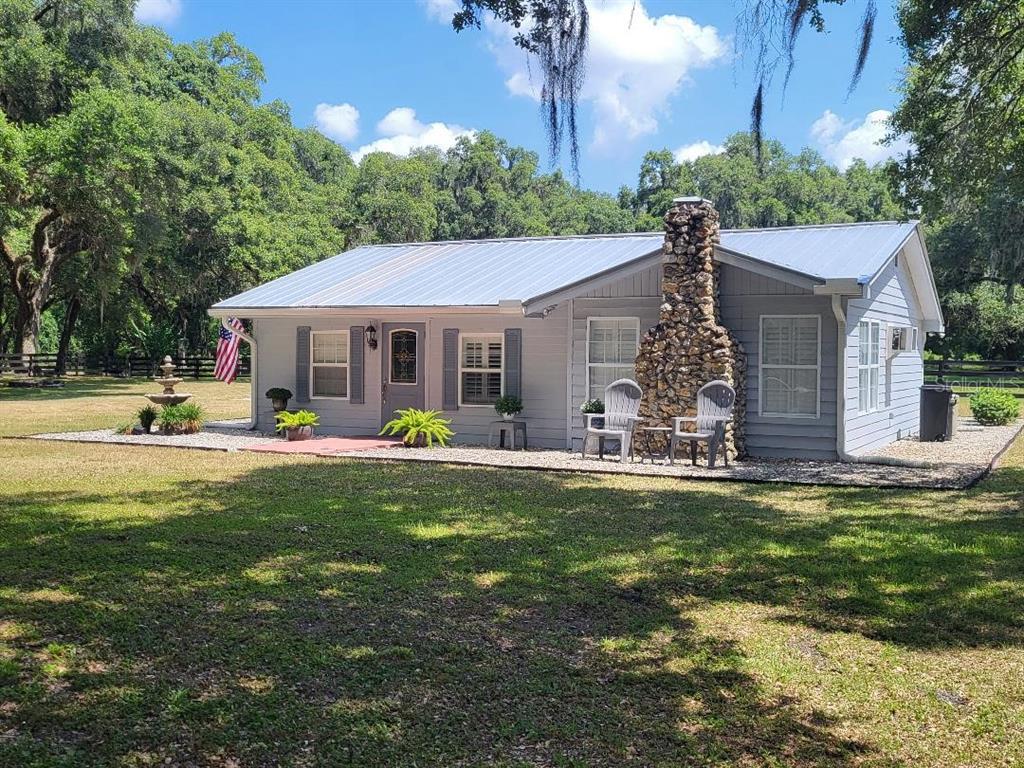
972	374
44	365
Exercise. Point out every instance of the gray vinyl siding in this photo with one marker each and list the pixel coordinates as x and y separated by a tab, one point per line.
745	297
893	302
544	366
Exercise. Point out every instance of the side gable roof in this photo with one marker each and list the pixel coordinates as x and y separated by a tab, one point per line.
489	273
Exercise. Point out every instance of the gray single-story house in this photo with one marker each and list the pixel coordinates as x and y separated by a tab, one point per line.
832	321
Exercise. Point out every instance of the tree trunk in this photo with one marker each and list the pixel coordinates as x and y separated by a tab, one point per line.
70	321
27	324
1011	291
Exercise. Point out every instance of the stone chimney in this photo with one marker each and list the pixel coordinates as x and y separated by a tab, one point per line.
689	346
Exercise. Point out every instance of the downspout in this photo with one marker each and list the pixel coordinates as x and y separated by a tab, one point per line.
840	313
252	360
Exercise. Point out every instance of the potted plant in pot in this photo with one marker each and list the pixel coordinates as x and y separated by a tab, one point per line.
509	406
419	428
279	397
298	425
593	405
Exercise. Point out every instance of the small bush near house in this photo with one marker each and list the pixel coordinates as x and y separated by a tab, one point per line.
994	407
420	427
147	415
182	418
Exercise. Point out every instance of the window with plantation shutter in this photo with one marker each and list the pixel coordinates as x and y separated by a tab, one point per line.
481	369
790	376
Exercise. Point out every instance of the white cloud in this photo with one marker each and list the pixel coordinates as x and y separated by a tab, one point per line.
157	11
402	133
337	121
635	64
441	10
842	142
691	152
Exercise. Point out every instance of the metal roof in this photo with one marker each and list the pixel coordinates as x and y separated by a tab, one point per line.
486	272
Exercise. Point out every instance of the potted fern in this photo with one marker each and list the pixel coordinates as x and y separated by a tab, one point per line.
298	425
593	405
419	428
508	406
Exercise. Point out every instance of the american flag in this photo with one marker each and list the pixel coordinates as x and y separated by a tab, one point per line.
226	368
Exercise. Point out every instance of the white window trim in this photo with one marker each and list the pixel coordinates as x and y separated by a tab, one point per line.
876	365
391	347
347	365
463	337
586	344
761	366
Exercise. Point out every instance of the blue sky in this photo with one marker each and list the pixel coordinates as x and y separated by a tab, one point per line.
393	75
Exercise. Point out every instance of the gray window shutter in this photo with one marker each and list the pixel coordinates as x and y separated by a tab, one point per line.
355	364
302	364
514	361
450	368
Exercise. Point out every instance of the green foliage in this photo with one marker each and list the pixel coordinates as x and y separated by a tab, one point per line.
416	426
278	393
992	406
782	190
980	322
593	405
147	415
182	417
292	420
508	405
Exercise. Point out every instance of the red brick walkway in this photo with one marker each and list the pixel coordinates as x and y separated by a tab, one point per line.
328	445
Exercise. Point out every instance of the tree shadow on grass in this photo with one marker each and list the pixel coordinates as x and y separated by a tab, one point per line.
377	614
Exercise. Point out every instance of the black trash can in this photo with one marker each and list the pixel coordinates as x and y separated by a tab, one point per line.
938	412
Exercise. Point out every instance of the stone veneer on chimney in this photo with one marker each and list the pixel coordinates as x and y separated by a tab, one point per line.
689	346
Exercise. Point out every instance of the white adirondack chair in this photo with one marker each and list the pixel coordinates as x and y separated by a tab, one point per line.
621	406
715	401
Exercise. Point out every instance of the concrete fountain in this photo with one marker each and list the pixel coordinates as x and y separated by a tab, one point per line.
168	381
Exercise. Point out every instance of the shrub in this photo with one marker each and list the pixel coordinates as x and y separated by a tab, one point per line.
278	393
594	405
182	417
508	405
146	416
289	420
994	407
424	427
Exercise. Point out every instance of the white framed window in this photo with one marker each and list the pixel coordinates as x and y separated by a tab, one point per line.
481	368
869	341
612	345
790	366
328	365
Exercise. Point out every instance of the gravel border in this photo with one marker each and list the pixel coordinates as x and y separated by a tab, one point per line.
953	465
211	439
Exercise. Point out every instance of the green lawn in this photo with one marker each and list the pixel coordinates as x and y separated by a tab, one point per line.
97	402
160	606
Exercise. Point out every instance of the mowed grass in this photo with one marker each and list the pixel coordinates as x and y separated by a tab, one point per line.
162	606
105	402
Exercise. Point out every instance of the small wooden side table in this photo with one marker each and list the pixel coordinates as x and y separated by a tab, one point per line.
509	428
647	450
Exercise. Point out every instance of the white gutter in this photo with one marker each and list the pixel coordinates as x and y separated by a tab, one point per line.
840	313
252	366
